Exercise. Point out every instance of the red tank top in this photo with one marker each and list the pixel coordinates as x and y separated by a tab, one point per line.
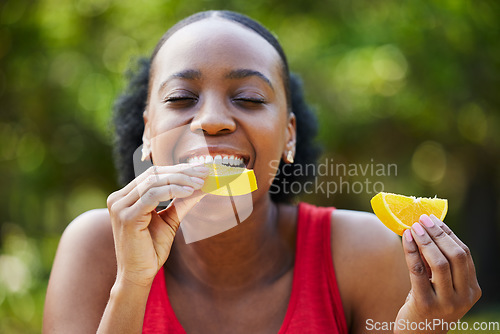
315	305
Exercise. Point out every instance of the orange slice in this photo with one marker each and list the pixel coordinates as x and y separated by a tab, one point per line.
399	212
224	180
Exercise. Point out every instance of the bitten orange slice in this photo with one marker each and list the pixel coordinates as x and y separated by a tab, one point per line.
399	212
224	180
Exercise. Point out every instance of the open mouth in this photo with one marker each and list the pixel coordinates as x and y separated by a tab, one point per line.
219	159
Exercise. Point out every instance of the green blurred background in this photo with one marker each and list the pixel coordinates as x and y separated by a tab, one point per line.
414	84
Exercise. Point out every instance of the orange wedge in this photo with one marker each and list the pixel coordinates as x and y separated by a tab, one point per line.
399	212
224	180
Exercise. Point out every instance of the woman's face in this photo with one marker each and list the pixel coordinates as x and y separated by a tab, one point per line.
217	89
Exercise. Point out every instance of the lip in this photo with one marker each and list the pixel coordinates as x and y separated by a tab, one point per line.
214	151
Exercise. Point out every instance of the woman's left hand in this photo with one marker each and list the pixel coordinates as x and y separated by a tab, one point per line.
443	278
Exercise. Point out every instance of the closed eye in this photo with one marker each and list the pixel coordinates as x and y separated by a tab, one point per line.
249	99
178	98
180	101
249	102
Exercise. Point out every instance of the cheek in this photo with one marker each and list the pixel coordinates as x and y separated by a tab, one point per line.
166	130
268	139
267	131
165	136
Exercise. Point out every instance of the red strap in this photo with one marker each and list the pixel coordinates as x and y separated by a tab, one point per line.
315	304
159	316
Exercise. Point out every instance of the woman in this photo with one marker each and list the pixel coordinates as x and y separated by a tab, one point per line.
223	80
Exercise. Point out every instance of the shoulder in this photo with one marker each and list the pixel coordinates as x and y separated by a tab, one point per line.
89	235
362	245
364	230
89	238
369	264
83	271
92	228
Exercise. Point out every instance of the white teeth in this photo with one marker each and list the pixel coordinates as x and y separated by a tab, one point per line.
218	159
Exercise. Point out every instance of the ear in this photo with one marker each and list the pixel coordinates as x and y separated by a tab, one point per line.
291	138
146	138
146	134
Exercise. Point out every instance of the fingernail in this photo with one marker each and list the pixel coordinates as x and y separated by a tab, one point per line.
187	188
197	180
426	221
436	220
408	236
418	229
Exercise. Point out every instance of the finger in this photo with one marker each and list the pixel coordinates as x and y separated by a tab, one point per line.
151	198
427	268
178	209
166	179
419	278
196	170
455	254
181	206
440	267
162	234
155	181
470	262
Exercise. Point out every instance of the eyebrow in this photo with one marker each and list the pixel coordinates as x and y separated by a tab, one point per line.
245	73
186	74
234	74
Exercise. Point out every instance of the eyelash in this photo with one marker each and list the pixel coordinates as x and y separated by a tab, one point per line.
178	98
186	101
249	99
180	101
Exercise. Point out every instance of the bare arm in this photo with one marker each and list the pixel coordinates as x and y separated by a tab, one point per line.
106	262
371	270
83	282
83	273
125	310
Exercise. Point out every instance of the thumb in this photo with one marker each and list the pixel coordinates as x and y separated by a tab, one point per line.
179	208
172	216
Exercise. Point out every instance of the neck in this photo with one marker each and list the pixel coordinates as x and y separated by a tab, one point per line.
255	251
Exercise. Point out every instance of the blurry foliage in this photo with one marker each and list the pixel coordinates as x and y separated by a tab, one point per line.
407	83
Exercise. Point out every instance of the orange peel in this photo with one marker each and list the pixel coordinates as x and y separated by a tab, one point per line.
399	212
224	180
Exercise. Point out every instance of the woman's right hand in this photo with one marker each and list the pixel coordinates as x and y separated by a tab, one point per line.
143	238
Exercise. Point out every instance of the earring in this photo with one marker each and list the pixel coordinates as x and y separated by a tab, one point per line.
289	157
146	153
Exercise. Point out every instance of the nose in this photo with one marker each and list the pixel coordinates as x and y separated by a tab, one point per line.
213	118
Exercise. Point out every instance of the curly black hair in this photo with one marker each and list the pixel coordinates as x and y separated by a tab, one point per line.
130	105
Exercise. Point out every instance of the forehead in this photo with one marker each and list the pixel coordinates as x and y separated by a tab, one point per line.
215	44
